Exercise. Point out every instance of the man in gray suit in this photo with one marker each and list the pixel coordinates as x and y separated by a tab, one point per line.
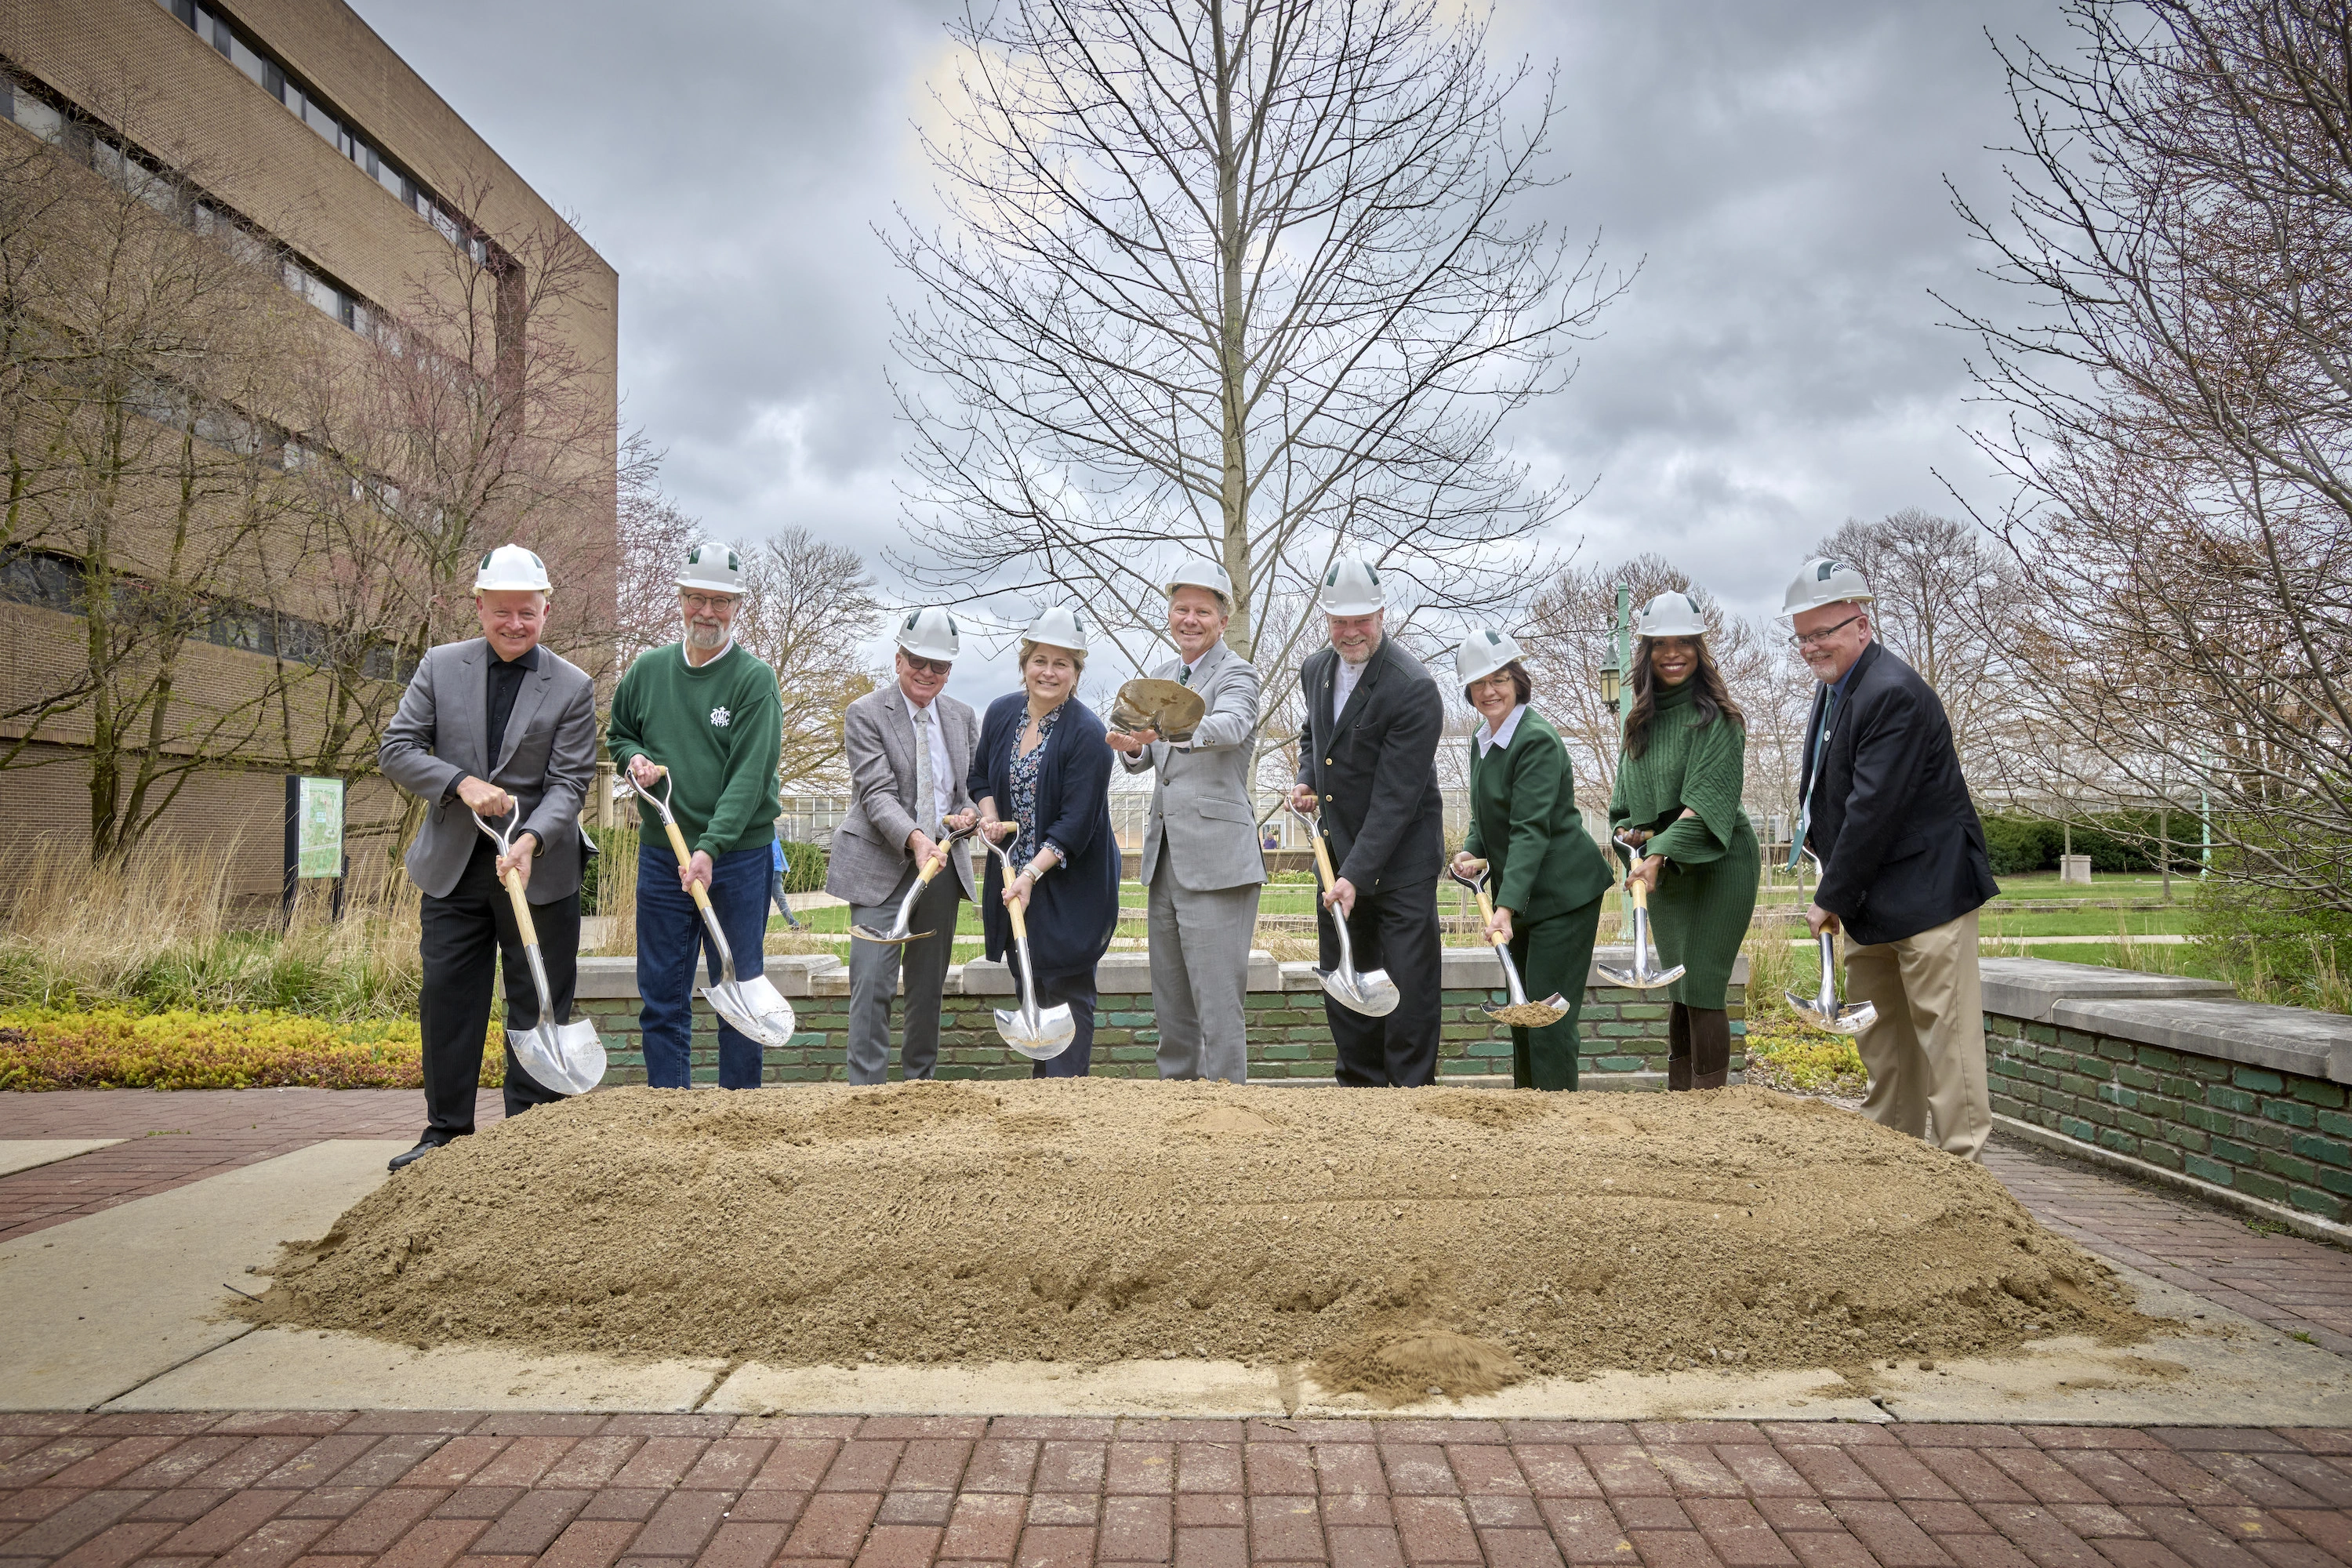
493	724
909	748
1201	868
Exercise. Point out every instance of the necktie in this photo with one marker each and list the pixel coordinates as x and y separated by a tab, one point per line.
1184	675
926	802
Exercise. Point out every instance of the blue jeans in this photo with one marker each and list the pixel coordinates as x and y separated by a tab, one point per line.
670	935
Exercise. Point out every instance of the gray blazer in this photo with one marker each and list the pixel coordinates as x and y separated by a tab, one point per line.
1201	800
546	759
869	847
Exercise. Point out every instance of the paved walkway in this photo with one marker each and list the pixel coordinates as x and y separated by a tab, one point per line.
256	1491
172	1140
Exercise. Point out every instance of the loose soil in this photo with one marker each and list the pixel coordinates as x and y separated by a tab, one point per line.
1400	1241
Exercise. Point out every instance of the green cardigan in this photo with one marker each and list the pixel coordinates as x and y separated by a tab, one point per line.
1524	824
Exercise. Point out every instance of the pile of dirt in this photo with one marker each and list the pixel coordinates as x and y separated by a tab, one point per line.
1400	1241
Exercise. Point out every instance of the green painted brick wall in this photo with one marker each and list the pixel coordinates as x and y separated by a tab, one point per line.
1620	1033
2272	1135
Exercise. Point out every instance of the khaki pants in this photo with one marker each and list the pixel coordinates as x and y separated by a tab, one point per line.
1926	1054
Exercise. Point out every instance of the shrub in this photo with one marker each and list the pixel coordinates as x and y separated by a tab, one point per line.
112	1047
2272	946
1787	1055
2019	845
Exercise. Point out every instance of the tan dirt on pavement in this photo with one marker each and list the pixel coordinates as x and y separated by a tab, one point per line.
1401	1241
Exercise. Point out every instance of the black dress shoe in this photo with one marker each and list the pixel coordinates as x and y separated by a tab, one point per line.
425	1146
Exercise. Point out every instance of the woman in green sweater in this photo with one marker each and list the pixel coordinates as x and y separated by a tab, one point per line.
1677	795
1547	874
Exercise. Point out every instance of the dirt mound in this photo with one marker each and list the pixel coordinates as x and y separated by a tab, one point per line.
1403	1240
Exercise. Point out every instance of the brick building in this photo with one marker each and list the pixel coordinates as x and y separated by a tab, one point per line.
294	131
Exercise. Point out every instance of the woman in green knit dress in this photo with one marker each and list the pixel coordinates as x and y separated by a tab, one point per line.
1546	875
1677	795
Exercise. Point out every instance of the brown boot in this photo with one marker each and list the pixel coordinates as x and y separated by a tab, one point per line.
1679	1048
1710	1046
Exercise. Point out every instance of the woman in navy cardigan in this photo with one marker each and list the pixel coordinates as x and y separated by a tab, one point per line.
1041	775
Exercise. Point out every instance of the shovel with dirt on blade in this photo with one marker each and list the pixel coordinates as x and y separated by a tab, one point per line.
1521	1014
1645	975
566	1057
753	1008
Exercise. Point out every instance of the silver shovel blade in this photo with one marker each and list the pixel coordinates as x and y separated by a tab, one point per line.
1054	1032
756	1009
566	1057
1649	980
1849	1019
1372	993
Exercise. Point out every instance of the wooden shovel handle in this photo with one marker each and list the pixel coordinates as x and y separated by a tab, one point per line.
1486	913
521	908
1020	914
1641	894
686	859
1323	862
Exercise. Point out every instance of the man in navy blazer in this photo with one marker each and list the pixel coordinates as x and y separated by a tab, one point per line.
1904	868
1367	763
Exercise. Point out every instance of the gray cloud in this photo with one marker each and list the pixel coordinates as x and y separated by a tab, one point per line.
1777	169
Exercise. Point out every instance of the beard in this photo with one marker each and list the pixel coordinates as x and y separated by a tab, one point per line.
704	638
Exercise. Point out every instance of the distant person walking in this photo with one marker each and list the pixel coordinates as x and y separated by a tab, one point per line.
706	710
1201	868
1367	763
1548	877
780	866
909	747
496	724
1904	869
1679	784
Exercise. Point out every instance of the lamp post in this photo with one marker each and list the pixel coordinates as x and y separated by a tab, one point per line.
1616	686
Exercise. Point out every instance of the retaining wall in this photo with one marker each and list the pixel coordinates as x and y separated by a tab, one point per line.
2178	1078
1623	1033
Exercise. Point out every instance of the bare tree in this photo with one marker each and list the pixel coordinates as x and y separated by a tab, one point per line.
1234	279
654	537
807	606
1947	601
139	331
2182	396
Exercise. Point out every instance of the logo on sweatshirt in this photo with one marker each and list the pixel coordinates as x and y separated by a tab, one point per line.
721	717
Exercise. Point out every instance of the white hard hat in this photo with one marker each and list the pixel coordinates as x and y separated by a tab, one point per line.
1060	626
1824	581
1202	574
1670	615
713	568
929	633
512	566
1351	587
1482	653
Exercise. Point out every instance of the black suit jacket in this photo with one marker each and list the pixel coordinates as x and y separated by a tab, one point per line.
1374	772
1901	848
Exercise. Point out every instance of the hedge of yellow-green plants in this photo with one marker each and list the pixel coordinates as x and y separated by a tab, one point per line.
47	1048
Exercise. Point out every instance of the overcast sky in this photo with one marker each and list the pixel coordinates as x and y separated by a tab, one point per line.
1776	169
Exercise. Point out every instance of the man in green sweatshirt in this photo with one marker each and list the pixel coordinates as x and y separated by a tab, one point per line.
708	711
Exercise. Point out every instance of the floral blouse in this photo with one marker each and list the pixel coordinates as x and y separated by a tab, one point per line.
1025	791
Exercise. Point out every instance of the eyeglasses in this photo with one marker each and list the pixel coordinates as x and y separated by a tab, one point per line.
703	604
1814	639
926	666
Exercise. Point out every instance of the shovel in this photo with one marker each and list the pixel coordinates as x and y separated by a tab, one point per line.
566	1057
1521	1014
1825	1011
1645	975
1041	1034
753	1008
1374	994
899	932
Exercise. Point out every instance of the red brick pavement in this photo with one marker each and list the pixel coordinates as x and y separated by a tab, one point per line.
2286	1281
433	1491
174	1139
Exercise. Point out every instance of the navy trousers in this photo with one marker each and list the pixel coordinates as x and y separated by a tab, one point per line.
670	936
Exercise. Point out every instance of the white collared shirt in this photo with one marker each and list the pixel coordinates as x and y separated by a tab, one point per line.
1345	686
687	654
1488	739
941	786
